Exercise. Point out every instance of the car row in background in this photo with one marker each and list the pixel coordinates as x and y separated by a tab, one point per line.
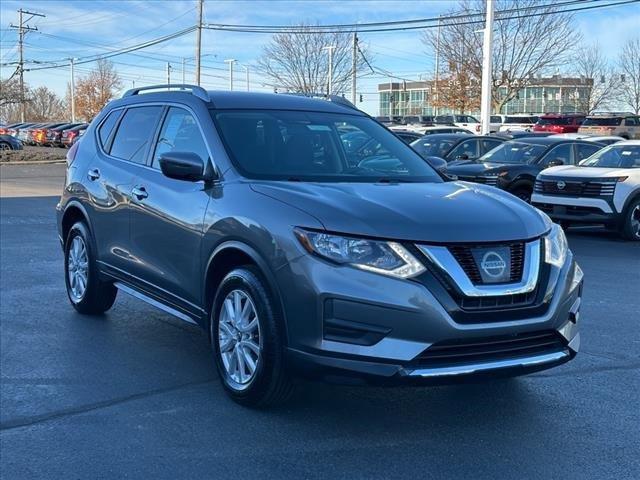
513	165
58	134
7	142
603	189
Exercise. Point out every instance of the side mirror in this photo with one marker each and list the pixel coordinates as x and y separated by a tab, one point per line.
556	162
186	166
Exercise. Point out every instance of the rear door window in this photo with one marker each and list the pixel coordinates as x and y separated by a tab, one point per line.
135	133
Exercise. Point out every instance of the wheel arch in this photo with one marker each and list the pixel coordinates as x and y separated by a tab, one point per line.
227	256
73	212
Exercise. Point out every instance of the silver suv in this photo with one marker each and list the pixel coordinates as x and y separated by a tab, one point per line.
259	218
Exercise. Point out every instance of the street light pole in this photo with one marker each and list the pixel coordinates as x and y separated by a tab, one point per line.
199	40
354	63
230	61
183	82
168	75
485	101
330	79
246	69
437	73
72	92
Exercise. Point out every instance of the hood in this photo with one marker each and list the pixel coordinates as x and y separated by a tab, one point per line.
426	212
471	168
584	172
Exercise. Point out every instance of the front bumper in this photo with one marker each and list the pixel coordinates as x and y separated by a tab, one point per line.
578	210
402	321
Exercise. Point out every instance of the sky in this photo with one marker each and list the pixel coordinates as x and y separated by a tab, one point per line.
78	28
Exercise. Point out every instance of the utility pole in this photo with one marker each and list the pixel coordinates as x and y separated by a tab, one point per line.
331	48
437	73
22	30
168	75
246	70
199	40
485	100
354	62
230	61
72	92
183	70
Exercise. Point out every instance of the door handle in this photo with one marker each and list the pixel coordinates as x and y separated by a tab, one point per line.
139	192
93	174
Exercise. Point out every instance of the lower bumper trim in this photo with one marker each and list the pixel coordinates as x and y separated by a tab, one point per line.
525	362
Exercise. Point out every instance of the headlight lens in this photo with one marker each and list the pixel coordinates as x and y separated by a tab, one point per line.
386	258
555	251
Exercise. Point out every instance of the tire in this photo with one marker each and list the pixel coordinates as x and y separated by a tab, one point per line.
631	223
523	194
5	146
97	296
269	384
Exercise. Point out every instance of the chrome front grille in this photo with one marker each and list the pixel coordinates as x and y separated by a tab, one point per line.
464	256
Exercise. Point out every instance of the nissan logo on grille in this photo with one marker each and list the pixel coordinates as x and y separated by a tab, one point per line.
561	185
493	264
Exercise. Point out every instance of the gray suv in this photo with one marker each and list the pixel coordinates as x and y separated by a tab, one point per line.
259	218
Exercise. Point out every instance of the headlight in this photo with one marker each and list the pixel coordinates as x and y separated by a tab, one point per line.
555	246
386	258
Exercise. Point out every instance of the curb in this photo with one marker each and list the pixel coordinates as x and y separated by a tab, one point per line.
35	162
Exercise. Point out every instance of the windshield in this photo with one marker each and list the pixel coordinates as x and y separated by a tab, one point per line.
615	156
554	121
514	152
430	147
317	147
602	121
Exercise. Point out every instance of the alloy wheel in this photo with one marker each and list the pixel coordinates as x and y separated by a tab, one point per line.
77	268
635	221
239	339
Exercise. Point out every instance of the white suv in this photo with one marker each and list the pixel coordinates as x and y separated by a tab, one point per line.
604	188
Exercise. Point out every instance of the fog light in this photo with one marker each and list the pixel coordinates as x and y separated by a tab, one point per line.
578	275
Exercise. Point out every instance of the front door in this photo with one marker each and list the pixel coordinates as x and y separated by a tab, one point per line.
167	217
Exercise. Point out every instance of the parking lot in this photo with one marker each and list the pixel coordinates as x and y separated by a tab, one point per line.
135	393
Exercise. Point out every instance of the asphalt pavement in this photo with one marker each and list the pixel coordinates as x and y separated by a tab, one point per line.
134	393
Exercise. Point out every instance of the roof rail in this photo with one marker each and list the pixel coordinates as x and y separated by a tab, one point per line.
331	98
196	90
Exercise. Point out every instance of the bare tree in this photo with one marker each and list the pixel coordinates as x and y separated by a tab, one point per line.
592	64
526	43
299	62
629	66
43	105
10	99
95	90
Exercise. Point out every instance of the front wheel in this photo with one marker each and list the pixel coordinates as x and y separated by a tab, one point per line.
246	338
631	222
522	194
87	293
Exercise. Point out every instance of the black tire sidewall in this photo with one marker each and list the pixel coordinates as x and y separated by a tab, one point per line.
626	226
248	280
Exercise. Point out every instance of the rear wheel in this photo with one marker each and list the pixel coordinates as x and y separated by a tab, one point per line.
631	222
87	293
5	146
246	337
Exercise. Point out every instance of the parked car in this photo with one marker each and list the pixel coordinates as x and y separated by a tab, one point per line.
296	263
467	122
604	139
53	136
441	129
453	146
9	129
7	142
559	123
21	131
25	134
603	189
407	136
518	122
71	135
626	126
38	136
514	165
419	120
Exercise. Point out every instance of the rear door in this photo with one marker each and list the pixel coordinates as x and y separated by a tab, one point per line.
167	216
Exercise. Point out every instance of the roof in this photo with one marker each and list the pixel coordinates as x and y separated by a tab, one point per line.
453	136
550	140
628	142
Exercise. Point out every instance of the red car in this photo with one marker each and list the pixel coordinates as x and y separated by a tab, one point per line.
559	123
69	137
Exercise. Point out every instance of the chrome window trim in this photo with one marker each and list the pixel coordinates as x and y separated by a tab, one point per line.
442	258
